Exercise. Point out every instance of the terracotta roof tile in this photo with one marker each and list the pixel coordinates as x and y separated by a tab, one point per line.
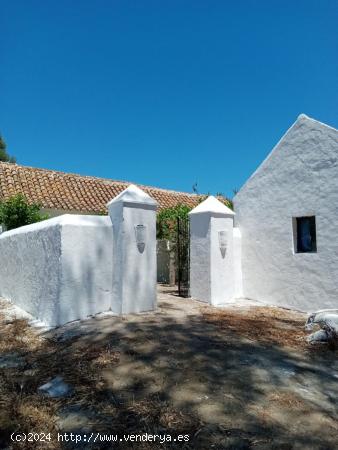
71	192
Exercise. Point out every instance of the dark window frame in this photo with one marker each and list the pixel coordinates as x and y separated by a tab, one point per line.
305	233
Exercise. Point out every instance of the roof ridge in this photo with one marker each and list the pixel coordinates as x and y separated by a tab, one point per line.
60	172
303	116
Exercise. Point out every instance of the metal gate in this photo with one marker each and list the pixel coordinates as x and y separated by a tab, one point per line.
183	257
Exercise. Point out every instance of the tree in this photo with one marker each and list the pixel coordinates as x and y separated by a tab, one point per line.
4	156
16	212
167	221
167	229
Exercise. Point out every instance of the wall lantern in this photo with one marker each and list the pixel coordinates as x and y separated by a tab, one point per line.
223	241
140	234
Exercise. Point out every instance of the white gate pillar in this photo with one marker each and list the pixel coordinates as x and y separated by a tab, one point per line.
133	215
212	273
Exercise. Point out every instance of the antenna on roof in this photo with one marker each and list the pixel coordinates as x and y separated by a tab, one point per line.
194	188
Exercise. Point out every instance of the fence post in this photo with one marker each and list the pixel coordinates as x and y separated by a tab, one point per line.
133	215
212	276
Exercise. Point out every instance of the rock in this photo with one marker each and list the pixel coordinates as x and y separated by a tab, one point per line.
11	361
325	317
74	418
56	388
318	336
327	320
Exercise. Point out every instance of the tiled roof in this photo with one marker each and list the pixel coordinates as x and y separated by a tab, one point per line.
70	192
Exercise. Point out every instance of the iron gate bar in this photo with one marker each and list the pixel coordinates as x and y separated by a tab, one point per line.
183	256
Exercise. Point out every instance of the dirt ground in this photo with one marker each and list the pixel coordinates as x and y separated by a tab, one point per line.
235	378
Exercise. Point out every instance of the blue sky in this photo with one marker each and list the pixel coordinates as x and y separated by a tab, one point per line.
165	93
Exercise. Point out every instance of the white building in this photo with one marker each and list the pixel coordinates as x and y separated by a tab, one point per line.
73	266
279	247
287	213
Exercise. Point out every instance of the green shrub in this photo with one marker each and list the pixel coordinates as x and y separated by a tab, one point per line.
16	212
167	221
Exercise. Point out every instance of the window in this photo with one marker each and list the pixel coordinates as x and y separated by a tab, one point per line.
305	234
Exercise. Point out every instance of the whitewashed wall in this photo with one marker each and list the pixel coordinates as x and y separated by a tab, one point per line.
87	266
59	269
29	257
73	266
299	178
200	266
237	258
163	261
134	276
215	275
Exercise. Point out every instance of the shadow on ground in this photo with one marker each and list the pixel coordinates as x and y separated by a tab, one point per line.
229	380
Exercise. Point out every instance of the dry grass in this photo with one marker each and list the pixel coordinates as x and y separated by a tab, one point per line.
26	410
82	364
16	335
22	408
288	400
267	325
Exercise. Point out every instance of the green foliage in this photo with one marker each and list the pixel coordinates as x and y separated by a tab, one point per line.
230	201
230	204
167	221
4	156
16	212
167	218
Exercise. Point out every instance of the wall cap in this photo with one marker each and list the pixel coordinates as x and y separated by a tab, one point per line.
212	205
134	195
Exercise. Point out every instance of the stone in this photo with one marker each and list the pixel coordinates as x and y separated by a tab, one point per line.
327	320
11	361
56	388
75	418
318	336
